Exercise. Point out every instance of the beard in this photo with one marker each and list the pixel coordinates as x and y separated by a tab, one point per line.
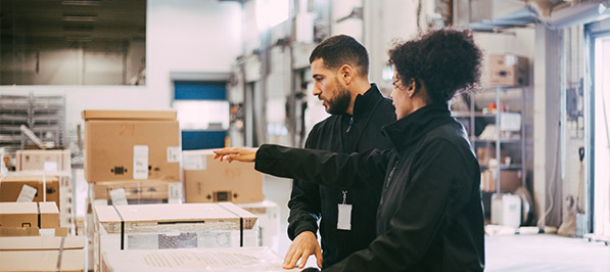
340	102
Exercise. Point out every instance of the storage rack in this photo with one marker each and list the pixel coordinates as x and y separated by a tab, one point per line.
499	141
44	115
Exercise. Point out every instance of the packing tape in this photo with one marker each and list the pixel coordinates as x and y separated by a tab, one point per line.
39	217
59	256
241	226
122	227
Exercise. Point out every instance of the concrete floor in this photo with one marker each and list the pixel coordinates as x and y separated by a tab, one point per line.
503	253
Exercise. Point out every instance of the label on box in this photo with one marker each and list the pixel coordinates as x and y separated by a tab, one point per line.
118	196
47	232
140	162
174	193
27	194
196	162
50	166
173	154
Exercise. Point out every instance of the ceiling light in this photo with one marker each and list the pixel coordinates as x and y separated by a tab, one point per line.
79	18
81	2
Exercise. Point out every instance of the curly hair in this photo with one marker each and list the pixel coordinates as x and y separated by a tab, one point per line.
446	61
342	49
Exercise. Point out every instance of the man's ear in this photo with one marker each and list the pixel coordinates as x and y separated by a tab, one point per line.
347	73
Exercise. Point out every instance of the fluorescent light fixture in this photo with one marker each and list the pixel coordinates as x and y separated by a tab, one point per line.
582	13
81	2
79	18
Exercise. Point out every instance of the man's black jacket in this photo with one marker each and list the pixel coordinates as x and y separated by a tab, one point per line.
310	201
430	216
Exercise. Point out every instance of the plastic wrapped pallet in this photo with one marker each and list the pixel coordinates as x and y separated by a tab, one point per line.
164	226
136	192
259	259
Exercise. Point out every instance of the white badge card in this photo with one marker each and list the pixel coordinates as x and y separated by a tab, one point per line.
344	222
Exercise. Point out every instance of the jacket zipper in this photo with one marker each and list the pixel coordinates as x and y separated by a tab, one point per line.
351	121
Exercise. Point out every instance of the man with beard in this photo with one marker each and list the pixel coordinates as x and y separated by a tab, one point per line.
339	67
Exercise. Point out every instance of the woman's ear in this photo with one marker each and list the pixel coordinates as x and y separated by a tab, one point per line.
411	87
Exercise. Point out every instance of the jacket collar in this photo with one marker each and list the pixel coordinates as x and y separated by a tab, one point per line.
410	129
365	103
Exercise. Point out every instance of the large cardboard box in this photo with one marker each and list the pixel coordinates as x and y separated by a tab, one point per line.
508	70
29	214
138	192
163	226
209	180
50	160
42	254
39	187
138	145
510	180
255	259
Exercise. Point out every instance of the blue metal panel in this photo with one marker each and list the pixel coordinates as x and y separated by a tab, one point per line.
200	90
203	139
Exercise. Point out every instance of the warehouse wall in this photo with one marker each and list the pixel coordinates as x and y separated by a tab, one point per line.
178	39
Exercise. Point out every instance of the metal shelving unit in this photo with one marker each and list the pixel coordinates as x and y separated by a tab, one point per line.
501	142
43	114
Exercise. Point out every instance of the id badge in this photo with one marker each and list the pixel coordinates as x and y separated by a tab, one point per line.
344	222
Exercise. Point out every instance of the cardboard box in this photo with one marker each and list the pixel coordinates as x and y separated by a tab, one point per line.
33	231
508	70
137	145
510	180
139	192
12	187
162	226
29	214
209	180
255	259
268	213
42	254
49	160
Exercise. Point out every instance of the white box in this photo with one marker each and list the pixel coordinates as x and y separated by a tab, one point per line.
268	213
506	210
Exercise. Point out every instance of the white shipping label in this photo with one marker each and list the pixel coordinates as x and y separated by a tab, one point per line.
47	232
173	154
344	222
174	193
140	162
50	166
118	197
27	194
195	162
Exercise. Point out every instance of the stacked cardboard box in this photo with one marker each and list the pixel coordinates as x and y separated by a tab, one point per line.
48	160
508	70
30	219
62	254
40	186
161	226
209	180
510	180
131	145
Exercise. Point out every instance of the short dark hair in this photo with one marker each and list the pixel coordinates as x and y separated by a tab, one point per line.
339	50
445	61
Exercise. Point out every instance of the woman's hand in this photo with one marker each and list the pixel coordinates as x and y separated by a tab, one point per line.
240	154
